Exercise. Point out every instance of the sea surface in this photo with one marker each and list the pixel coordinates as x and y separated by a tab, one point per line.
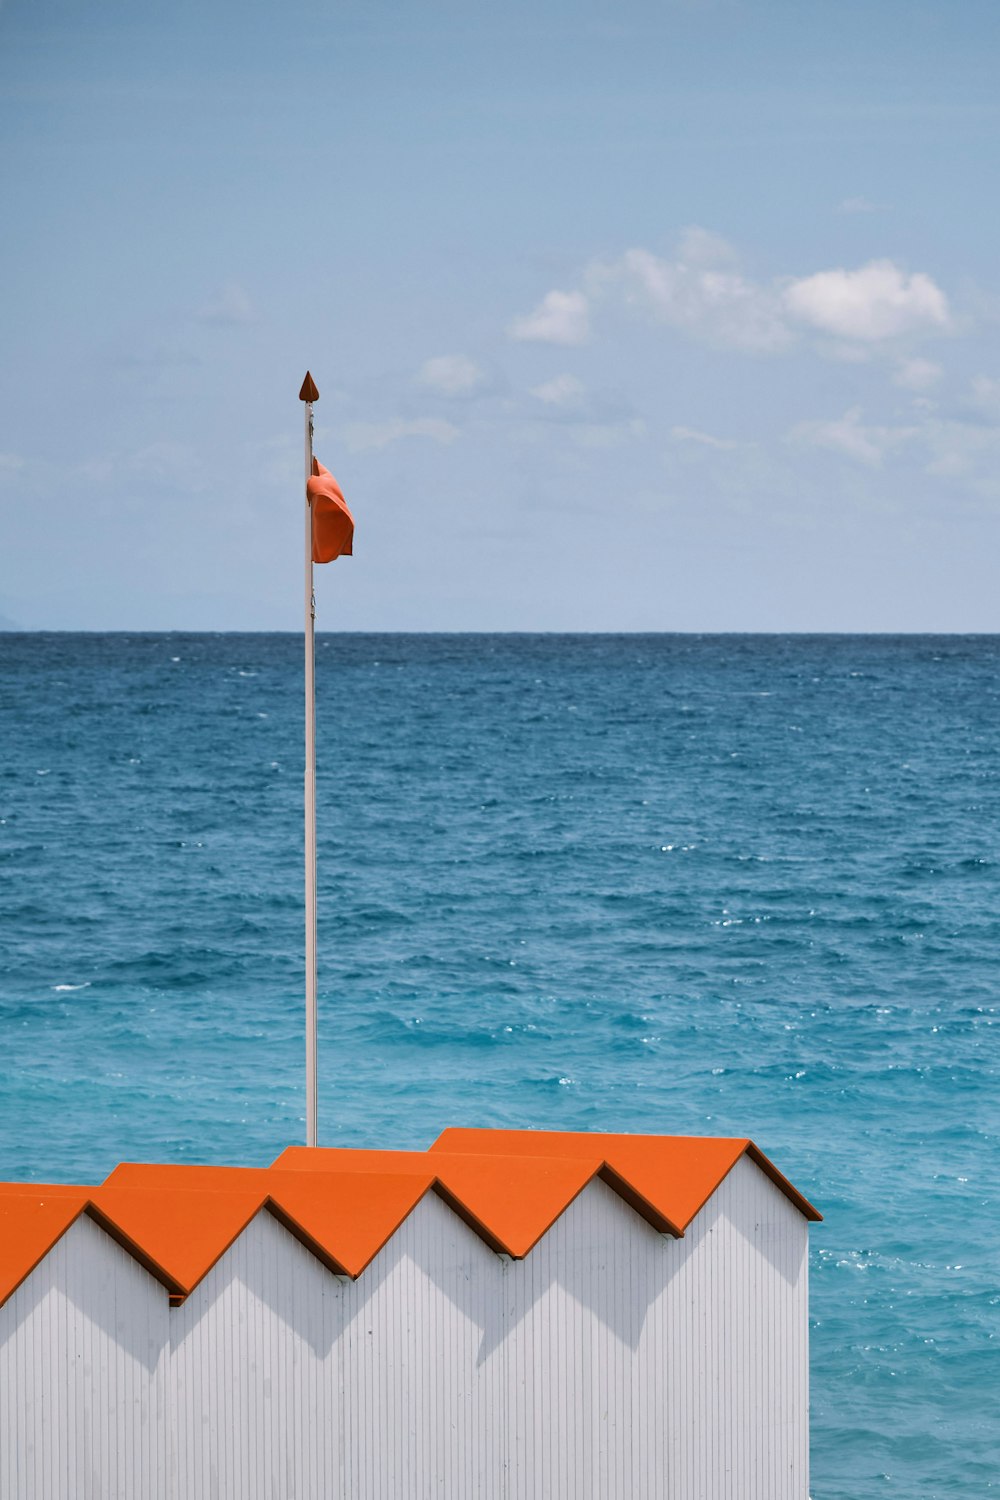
738	885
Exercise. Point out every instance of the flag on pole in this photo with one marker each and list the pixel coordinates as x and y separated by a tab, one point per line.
332	522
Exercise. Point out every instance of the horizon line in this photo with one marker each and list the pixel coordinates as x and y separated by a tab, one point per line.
795	631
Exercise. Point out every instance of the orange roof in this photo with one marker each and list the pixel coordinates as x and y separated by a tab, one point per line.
344	1218
509	1202
674	1175
182	1233
31	1222
510	1186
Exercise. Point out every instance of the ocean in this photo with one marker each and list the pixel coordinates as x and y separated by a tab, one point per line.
734	885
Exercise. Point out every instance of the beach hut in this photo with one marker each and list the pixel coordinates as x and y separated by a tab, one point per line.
84	1353
510	1315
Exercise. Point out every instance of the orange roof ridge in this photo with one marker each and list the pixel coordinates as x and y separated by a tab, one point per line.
46	1189
514	1205
674	1175
24	1204
347	1159
356	1214
180	1233
509	1201
173	1174
344	1219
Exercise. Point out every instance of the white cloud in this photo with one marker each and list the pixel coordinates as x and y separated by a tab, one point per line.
866	444
562	390
365	436
917	374
451	374
560	318
878	301
700	292
705	439
228	308
10	464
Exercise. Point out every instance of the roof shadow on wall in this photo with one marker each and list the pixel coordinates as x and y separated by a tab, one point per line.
106	1286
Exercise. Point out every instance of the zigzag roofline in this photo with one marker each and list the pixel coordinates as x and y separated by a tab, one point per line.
508	1187
671	1156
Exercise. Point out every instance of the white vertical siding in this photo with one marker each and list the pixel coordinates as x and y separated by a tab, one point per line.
576	1308
290	1384
256	1374
83	1376
640	1366
611	1364
423	1357
730	1332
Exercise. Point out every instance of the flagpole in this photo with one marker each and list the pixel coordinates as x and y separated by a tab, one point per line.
308	394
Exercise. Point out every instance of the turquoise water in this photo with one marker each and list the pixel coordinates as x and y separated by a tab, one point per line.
717	885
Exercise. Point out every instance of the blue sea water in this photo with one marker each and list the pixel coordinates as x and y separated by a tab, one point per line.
696	884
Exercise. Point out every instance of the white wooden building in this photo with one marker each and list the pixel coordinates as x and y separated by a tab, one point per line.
510	1315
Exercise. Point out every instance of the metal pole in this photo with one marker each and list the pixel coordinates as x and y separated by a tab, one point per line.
312	1095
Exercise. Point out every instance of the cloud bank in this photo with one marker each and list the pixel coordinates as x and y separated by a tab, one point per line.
701	291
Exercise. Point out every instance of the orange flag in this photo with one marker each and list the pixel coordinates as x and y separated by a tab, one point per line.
332	522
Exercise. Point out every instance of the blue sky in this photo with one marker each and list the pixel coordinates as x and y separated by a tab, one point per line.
663	317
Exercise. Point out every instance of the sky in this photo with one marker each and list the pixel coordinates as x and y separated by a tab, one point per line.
652	316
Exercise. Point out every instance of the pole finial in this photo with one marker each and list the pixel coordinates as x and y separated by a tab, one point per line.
308	391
